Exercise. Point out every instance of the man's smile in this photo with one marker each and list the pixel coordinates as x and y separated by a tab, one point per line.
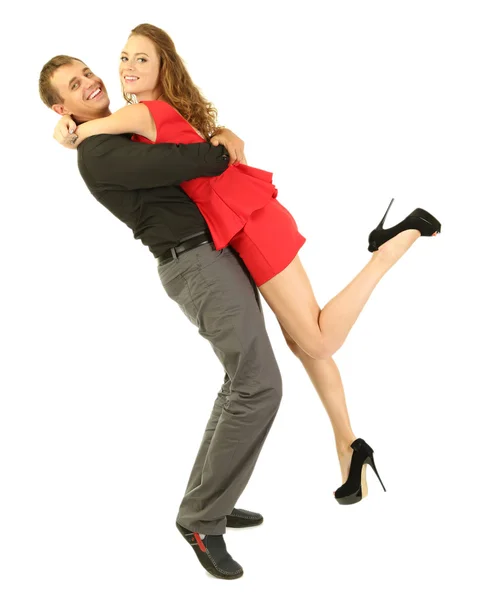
96	93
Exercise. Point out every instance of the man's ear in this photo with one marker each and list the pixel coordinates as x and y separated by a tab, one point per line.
60	109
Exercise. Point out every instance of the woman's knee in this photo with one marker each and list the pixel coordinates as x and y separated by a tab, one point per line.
314	347
293	346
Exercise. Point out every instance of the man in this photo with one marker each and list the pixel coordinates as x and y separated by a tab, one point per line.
137	183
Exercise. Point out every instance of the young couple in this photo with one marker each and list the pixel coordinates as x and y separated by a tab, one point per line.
214	255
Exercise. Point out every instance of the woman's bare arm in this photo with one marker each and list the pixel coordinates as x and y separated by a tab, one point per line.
134	118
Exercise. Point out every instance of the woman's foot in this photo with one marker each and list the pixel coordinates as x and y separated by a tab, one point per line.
345	458
395	248
419	220
355	488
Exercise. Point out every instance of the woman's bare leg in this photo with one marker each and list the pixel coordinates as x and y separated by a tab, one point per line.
320	333
314	335
325	377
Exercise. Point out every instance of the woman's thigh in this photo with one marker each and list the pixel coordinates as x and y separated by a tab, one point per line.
290	296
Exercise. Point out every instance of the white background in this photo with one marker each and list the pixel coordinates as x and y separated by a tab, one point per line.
107	387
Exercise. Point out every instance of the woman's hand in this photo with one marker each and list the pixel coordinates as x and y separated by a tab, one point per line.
64	132
233	144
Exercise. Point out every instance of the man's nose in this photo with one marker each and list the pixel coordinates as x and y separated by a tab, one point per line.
89	85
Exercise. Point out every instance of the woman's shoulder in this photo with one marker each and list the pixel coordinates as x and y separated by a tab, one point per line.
154	102
157	107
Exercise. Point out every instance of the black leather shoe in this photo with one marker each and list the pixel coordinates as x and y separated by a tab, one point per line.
212	554
243	518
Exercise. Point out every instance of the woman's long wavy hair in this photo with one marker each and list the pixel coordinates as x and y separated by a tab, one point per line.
177	86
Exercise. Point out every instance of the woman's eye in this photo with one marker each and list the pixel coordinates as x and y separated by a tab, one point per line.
123	59
74	86
143	59
89	74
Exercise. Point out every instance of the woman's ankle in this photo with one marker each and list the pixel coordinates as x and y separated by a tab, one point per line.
343	444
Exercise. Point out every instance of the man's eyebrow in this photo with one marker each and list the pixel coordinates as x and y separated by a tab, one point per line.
75	77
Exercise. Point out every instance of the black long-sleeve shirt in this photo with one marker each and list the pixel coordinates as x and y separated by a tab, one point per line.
138	184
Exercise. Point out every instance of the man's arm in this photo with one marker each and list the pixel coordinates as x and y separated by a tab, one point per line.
115	162
233	144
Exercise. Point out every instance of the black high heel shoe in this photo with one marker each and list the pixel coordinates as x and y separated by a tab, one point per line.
351	491
419	219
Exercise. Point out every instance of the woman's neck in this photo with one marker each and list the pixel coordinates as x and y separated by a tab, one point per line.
150	95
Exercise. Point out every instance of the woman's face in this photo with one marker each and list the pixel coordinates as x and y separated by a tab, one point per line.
139	68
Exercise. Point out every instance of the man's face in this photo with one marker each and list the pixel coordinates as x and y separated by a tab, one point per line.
84	94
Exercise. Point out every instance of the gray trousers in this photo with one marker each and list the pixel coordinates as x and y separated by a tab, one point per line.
217	294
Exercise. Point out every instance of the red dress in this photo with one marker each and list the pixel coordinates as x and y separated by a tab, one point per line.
239	206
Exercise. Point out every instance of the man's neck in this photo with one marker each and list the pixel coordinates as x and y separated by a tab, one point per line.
79	120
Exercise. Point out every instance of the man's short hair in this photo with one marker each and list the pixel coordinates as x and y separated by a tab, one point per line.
48	92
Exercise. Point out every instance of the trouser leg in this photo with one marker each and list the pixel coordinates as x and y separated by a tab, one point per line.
217	294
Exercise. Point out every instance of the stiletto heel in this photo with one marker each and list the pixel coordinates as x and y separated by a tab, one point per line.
419	219
379	226
371	462
351	491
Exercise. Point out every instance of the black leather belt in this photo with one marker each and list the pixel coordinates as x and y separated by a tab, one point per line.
187	244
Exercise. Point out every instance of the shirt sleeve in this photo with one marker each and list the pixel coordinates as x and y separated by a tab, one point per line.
115	162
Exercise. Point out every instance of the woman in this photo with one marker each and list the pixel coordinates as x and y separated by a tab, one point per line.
241	210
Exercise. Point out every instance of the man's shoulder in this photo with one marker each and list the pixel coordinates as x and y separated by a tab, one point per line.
97	144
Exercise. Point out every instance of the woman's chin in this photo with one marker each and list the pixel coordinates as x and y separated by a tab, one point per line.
136	92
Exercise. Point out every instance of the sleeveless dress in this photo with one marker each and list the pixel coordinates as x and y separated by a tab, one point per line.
239	206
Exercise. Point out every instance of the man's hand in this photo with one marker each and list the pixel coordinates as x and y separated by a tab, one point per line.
64	132
233	144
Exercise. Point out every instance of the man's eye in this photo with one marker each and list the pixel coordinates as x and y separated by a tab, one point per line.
90	74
